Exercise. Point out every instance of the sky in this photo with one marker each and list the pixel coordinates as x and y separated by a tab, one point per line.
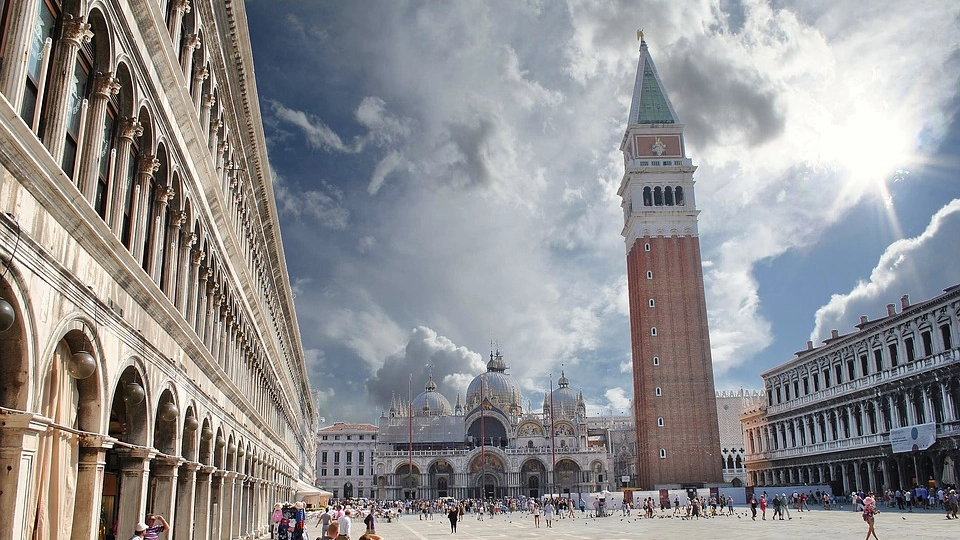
446	177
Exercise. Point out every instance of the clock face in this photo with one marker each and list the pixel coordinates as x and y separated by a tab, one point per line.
658	147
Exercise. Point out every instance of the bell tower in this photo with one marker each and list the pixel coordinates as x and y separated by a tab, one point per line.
675	413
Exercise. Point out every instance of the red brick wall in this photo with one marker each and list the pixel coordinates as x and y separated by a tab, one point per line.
691	435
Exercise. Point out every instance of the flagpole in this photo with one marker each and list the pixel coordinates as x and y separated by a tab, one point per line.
410	420
553	442
483	457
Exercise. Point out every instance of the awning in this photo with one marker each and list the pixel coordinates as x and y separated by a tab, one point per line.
311	494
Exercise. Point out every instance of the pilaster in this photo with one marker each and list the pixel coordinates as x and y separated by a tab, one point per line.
19	442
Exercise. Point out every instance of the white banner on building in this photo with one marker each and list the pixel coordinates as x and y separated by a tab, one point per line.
913	438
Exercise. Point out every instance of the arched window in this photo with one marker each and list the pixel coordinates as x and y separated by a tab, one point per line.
651	303
678	195
647	199
646	247
660	422
656	360
658	391
658	196
668	195
39	60
653	330
663	453
730	462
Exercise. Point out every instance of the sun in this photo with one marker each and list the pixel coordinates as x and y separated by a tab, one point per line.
868	145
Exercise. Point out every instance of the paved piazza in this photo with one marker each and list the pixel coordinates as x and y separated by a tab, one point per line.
816	524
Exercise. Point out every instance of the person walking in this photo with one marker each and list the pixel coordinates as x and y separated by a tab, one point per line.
869	511
548	513
453	514
536	515
753	508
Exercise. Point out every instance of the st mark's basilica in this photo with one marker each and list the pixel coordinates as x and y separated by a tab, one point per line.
489	445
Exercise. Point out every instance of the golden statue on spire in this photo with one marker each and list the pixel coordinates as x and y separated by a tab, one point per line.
640	34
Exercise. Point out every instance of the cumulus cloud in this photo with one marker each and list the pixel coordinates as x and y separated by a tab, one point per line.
425	354
914	266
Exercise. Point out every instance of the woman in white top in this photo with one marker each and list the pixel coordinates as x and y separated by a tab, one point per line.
536	515
548	514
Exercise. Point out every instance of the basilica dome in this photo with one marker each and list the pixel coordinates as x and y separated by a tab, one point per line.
498	387
563	399
430	402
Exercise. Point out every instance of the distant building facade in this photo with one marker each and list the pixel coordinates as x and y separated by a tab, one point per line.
488	446
150	359
730	406
675	408
841	413
345	459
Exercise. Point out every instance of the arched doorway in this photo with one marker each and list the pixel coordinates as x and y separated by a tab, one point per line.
489	473
441	473
408	478
533	474
348	490
566	477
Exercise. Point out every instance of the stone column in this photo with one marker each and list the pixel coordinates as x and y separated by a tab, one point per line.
871	481
949	412
205	105
86	515
134	474
886	474
216	515
165	472
164	195
128	130
172	254
240	517
187	488
187	278
75	32
846	479
19	443
212	140
213	301
177	9
104	86
202	510
147	165
193	289
13	69
228	525
200	74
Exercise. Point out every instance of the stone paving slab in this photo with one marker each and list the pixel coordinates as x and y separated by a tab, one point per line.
815	524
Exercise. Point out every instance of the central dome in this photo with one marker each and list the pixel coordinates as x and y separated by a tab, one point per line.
430	402
564	400
498	388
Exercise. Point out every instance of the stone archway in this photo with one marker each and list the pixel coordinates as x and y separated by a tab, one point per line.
441	473
127	465
488	471
533	475
566	477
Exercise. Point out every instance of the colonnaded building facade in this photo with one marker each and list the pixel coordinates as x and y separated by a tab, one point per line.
149	353
489	446
875	409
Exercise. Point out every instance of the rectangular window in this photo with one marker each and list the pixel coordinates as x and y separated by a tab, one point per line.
878	359
323	472
323	457
806	386
324	437
336	494
360	471
336	457
851	372
336	472
826	378
864	367
894	357
348	437
908	345
945	336
838	371
336	437
816	382
349	457
796	389
770	397
44	26
360	457
927	343
349	472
